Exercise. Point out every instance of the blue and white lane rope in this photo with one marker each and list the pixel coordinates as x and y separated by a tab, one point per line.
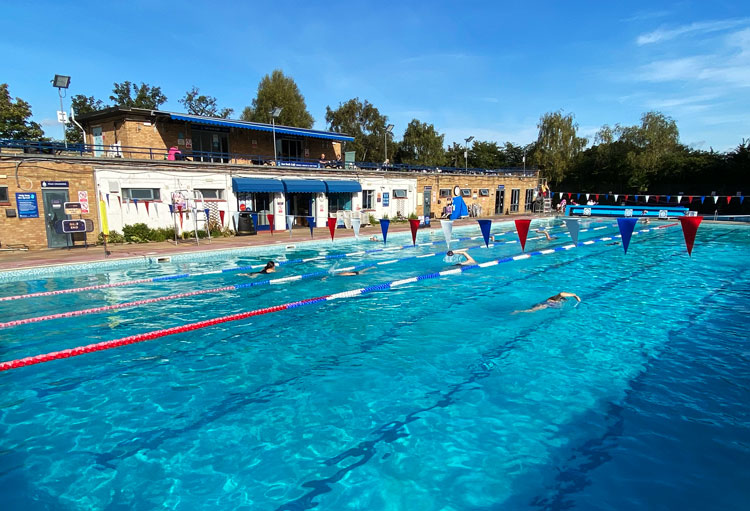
178	276
294	278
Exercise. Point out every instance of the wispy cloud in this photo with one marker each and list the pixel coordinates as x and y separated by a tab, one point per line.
704	27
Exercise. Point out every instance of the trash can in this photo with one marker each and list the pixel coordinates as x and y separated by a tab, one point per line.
245	225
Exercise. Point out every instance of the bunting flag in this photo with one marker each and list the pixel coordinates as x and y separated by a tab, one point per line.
587	196
626	197
573	226
636	198
689	228
578	196
668	197
221	217
414	224
146	204
616	195
447	226
656	198
561	194
107	199
332	226
606	197
647	196
596	197
522	229
270	222
742	198
207	211
311	225
716	199
384	228
356	223
703	198
119	199
171	209
180	218
626	226
290	224
135	201
485	226
568	195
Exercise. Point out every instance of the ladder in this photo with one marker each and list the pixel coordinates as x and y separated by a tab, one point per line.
547	206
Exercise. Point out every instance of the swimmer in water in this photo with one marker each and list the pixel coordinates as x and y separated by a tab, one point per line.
270	267
467	261
556	301
546	233
353	273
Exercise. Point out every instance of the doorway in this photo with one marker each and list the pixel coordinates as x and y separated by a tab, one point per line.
301	206
427	208
499	201
98	141
54	203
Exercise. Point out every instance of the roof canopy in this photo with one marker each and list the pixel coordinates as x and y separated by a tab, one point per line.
253	184
342	186
304	186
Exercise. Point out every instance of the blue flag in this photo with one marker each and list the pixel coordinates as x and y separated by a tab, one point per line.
485	226
703	197
310	222
606	196
626	226
668	197
384	228
742	198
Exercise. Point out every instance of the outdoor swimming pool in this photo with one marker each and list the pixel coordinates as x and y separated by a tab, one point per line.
430	395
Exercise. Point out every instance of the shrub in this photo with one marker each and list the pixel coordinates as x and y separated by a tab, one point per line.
413	216
373	220
114	237
137	233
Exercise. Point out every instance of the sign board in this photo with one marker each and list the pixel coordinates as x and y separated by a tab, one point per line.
587	211
501	187
83	198
73	226
62	116
27	205
662	213
55	184
386	199
628	212
188	143
72	208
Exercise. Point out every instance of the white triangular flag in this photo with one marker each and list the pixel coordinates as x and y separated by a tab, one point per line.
447	231
561	194
616	195
647	196
356	222
290	223
679	199
716	199
587	196
573	227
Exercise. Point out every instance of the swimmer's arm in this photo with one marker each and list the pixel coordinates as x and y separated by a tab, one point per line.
570	295
469	259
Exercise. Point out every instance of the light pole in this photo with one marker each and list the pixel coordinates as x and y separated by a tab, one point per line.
274	114
62	82
388	129
466	153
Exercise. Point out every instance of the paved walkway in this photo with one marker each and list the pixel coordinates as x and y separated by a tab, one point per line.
14	260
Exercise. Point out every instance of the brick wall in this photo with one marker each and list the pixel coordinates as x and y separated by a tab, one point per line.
31	231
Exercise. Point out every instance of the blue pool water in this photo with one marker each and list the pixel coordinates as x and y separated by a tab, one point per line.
429	396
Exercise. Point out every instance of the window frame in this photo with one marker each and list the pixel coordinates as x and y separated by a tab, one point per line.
465	192
127	194
445	193
484	192
515	193
220	193
529	204
396	193
368	199
7	195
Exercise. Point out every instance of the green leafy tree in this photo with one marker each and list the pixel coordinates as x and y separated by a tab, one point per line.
656	137
421	145
130	95
454	155
486	155
557	145
81	105
198	104
278	90
15	118
366	124
514	154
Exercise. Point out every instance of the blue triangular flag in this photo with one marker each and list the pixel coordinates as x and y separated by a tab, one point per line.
384	228
310	222
668	197
135	201
636	198
742	198
171	209
578	196
606	196
703	197
626	226
485	226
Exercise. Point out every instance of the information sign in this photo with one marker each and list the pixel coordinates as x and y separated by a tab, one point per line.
27	205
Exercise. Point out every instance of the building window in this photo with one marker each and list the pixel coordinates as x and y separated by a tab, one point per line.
141	194
445	193
368	199
466	192
528	206
291	149
339	202
399	194
484	192
211	193
4	194
515	195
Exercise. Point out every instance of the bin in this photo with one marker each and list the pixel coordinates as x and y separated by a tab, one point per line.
245	225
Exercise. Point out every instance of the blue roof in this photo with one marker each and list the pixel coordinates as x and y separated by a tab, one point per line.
285	130
304	186
342	186
252	184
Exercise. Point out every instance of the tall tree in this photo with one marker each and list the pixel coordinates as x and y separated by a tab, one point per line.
15	118
365	123
81	105
557	144
421	145
198	104
486	155
130	95
278	90
656	137
454	155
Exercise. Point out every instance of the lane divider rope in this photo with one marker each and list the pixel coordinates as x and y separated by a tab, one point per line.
148	336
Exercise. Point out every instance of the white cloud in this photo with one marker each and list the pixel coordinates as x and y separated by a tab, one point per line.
663	34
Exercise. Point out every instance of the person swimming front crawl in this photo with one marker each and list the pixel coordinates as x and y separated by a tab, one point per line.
270	267
553	301
452	255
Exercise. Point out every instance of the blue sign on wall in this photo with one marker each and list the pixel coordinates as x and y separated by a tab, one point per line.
386	199
27	205
55	184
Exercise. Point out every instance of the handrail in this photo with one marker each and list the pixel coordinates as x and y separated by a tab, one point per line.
162	153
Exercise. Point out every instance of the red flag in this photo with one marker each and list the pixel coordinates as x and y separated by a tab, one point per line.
119	199
626	197
690	199
597	197
689	228
270	222
414	224
729	199
522	228
180	218
146	203
332	226
568	195
656	197
221	217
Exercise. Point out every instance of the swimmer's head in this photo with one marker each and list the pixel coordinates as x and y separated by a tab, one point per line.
449	253
269	265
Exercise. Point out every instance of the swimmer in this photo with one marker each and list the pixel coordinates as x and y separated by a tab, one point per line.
613	243
270	267
374	238
353	273
546	233
553	302
469	260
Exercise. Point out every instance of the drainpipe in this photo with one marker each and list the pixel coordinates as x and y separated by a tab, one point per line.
73	118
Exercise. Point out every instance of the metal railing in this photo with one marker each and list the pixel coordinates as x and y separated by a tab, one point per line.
162	153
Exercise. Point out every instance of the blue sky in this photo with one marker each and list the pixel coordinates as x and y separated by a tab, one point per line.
488	69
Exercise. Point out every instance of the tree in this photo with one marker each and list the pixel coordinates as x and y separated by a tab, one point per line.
656	137
486	155
557	144
130	95
421	145
454	155
514	154
274	91
363	122
15	118
197	104
81	105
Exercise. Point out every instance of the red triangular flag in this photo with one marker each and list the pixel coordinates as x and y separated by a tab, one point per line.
656	197
146	203
270	222
332	226
597	197
626	197
221	217
568	195
729	199
689	228
180	208
414	224
522	228
690	199
119	199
